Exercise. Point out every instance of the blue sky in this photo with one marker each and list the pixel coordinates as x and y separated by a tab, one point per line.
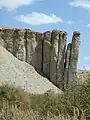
43	15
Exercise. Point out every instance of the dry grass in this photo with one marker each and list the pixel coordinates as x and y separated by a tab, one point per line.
16	104
14	96
11	112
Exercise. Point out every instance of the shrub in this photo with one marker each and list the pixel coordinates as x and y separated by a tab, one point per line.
15	96
73	104
77	97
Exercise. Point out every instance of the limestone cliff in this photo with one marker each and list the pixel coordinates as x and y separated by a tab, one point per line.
46	52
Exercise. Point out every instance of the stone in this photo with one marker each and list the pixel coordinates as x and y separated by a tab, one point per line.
74	54
1	39
8	39
54	56
66	67
19	44
61	58
30	46
46	53
38	52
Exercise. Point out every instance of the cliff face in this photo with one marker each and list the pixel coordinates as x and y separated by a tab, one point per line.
46	52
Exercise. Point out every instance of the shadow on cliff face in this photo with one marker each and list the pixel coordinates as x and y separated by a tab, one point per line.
38	55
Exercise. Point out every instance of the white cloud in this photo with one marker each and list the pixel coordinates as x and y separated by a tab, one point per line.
14	4
80	3
87	58
70	22
88	25
38	18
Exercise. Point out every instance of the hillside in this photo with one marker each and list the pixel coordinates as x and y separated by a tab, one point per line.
13	71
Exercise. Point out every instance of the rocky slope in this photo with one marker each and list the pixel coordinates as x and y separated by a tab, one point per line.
13	71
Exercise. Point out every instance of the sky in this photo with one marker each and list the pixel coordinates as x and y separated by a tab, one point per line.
43	15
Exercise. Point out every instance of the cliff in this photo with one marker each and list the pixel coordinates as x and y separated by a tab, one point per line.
46	52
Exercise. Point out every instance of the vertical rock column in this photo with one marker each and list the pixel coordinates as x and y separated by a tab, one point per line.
54	56
46	53
8	39
73	59
61	58
30	46
19	44
38	52
67	60
1	37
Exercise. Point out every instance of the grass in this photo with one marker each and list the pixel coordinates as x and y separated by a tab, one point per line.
11	112
74	104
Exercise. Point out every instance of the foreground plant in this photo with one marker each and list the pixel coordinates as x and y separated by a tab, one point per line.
11	112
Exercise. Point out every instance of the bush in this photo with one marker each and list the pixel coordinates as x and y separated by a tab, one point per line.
14	96
73	104
78	98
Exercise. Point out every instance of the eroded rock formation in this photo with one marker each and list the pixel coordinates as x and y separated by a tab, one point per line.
46	52
74	53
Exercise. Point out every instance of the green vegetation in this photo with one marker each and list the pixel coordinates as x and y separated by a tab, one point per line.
74	104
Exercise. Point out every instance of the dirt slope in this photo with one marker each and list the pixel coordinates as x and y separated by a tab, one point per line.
22	74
